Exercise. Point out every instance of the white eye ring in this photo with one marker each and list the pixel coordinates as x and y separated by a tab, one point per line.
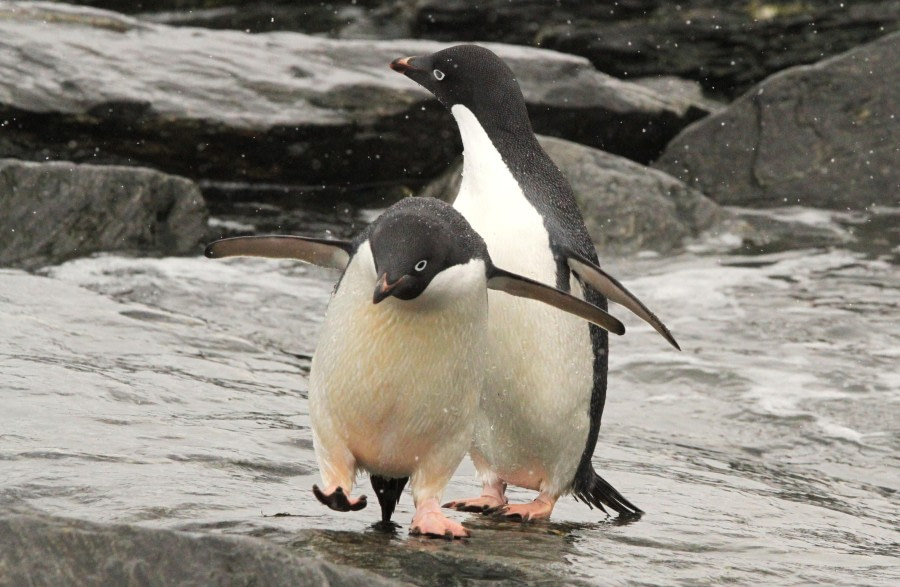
438	74
421	265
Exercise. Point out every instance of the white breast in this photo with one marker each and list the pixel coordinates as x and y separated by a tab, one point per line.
492	201
398	382
534	416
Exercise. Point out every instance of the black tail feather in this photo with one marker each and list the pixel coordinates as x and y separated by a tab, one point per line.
388	493
593	490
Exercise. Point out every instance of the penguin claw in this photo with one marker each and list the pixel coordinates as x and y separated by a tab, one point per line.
338	500
479	505
512	516
525	512
502	513
429	521
447	534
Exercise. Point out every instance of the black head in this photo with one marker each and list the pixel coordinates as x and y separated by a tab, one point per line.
470	76
414	241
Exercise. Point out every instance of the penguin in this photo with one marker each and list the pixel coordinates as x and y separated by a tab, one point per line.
538	421
396	377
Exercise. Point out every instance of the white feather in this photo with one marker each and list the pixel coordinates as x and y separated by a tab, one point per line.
534	418
394	386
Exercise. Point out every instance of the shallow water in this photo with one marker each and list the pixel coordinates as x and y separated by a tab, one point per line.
172	393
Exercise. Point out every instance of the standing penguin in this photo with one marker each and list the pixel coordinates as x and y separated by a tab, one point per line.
538	420
397	374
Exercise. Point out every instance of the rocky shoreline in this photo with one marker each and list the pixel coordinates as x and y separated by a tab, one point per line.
39	549
327	116
146	135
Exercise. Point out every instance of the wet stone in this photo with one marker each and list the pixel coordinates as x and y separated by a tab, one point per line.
52	212
822	135
279	108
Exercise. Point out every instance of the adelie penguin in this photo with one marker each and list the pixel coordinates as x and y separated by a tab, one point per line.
396	376
539	419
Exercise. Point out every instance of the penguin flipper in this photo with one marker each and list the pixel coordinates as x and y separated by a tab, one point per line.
610	287
324	252
517	285
388	492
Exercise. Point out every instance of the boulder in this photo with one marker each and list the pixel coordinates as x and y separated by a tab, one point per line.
50	212
627	207
688	90
348	19
280	108
823	135
727	46
40	549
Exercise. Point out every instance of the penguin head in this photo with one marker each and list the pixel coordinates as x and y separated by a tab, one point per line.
415	243
470	76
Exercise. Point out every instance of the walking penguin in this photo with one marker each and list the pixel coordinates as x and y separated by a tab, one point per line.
397	374
538	420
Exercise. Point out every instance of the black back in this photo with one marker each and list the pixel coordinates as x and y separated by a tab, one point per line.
476	78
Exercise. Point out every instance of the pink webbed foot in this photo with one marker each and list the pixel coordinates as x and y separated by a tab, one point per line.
492	498
429	521
539	509
484	504
337	500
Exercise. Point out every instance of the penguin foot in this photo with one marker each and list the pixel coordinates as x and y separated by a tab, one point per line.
338	500
485	504
429	521
539	509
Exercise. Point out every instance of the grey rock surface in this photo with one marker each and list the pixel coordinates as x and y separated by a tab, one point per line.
50	212
727	46
685	89
281	107
40	549
349	19
824	135
627	207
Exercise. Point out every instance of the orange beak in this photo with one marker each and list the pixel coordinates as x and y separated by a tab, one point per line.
401	65
383	289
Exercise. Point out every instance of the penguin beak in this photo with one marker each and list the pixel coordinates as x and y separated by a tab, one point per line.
383	289
402	65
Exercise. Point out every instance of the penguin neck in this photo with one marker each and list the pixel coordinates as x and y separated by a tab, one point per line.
496	161
508	178
511	136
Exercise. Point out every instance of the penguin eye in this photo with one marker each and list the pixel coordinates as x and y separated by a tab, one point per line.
421	265
438	74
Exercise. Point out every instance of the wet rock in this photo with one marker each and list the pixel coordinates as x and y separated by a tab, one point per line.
688	90
279	108
50	212
777	230
39	549
726	46
350	19
823	135
627	207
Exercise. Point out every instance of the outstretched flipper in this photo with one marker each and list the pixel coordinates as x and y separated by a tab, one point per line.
338	500
524	287
610	287
388	492
330	253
